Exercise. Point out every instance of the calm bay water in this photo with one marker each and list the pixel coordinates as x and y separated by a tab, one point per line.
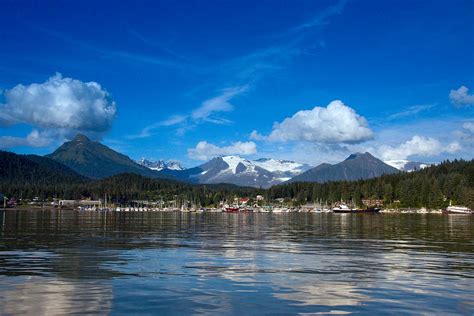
56	262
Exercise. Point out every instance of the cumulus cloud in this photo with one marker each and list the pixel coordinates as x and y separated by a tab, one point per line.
469	126
256	135
65	105
336	123
417	146
206	151
461	97
34	139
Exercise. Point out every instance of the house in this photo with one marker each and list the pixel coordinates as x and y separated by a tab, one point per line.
372	202
260	198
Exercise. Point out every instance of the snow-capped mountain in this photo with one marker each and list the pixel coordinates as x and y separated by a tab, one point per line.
240	171
160	164
257	173
283	170
407	165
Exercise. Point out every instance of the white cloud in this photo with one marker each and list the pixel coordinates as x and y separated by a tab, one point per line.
34	139
173	120
453	147
411	110
336	123
206	151
417	146
204	113
469	126
256	135
220	103
63	105
461	97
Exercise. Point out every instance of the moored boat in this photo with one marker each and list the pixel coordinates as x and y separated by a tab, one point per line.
231	209
280	210
456	209
343	208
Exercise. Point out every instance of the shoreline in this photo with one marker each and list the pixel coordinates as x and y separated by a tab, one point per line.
113	210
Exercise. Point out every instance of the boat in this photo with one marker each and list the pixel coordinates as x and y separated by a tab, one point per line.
456	209
280	210
231	209
343	208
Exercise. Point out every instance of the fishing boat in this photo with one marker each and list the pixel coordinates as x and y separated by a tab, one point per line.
456	209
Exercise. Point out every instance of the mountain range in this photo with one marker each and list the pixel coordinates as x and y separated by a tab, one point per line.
160	164
263	172
89	159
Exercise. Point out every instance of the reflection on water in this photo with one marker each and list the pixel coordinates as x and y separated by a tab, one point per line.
65	262
53	296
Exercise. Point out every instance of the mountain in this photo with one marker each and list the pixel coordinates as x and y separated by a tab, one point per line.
160	164
96	161
31	170
406	165
355	167
239	171
283	170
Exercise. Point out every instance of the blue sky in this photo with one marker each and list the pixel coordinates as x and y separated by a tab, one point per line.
189	80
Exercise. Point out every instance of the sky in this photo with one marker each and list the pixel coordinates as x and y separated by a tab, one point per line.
309	81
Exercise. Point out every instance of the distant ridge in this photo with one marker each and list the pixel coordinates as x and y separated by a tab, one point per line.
96	161
355	167
160	164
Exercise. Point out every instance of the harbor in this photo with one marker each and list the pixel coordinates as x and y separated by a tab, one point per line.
209	263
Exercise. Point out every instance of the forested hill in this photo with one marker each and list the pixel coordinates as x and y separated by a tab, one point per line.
29	175
432	187
34	169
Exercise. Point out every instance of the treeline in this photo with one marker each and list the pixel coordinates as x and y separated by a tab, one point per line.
433	187
123	188
26	177
126	187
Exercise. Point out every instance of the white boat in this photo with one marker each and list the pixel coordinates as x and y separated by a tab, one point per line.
280	210
342	208
456	209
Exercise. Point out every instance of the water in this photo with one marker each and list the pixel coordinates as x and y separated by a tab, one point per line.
57	262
